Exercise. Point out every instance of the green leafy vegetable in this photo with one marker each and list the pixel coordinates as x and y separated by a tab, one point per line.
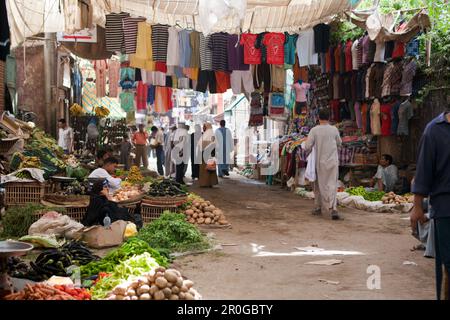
172	232
367	195
134	266
133	246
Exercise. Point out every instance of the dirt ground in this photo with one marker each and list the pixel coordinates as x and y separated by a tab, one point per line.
281	221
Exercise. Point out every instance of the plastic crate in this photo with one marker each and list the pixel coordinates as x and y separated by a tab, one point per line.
151	212
20	193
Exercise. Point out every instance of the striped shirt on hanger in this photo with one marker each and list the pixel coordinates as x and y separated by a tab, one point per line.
219	44
205	53
114	31
130	29
160	41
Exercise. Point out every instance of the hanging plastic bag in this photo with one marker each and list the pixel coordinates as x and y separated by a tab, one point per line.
213	11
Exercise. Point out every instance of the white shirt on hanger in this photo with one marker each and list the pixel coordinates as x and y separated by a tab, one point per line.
306	49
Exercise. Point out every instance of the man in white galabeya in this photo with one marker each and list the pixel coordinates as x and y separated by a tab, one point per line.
325	139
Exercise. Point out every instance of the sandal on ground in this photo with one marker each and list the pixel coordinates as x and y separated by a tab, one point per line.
335	215
317	212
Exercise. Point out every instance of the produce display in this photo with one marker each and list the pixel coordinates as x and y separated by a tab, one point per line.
134	266
76	110
78	173
392	198
367	195
40	291
55	261
40	140
45	241
20	269
29	162
166	188
126	193
200	211
101	112
76	293
134	175
172	232
24	175
159	284
132	246
74	188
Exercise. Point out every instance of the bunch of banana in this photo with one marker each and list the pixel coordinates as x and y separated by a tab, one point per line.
24	175
76	110
134	175
101	112
30	162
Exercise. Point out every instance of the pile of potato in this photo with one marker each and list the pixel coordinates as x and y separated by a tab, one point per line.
203	212
160	284
392	198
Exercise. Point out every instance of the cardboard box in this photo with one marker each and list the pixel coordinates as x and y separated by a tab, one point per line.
101	237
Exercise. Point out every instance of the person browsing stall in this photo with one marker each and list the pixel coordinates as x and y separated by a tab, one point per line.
106	171
140	140
65	136
387	174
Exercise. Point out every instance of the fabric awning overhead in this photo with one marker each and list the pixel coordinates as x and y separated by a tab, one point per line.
28	18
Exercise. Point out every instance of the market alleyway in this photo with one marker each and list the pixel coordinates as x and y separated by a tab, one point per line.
259	259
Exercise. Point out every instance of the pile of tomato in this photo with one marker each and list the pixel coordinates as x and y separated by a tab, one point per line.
77	293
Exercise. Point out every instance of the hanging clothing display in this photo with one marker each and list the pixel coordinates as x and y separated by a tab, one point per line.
113	77
100	67
141	96
241	79
252	55
205	53
160	40
305	48
375	121
321	38
274	43
173	47
290	44
143	59
218	45
185	48
235	54
130	30
194	40
114	31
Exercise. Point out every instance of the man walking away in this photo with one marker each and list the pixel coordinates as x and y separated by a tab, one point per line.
65	136
196	152
156	143
140	139
168	152
325	140
224	142
433	179
180	153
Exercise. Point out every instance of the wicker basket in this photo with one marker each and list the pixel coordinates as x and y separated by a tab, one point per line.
130	206
64	200
20	193
153	212
164	201
7	144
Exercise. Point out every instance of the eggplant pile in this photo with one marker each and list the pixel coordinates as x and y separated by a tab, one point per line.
18	268
166	187
55	261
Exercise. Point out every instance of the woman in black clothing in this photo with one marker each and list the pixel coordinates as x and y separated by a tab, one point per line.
100	206
196	152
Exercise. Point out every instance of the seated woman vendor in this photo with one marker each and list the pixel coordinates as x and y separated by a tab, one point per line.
387	174
100	207
106	171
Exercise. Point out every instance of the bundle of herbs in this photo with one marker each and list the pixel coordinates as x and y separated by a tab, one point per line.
17	220
172	232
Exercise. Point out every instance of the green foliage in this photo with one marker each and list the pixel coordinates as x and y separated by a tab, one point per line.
17	220
172	232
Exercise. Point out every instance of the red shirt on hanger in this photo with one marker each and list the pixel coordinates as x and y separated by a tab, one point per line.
348	56
386	119
274	42
251	54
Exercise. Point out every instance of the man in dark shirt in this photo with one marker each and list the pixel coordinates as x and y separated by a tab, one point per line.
433	180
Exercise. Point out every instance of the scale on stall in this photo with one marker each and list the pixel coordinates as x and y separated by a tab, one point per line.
59	183
10	249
